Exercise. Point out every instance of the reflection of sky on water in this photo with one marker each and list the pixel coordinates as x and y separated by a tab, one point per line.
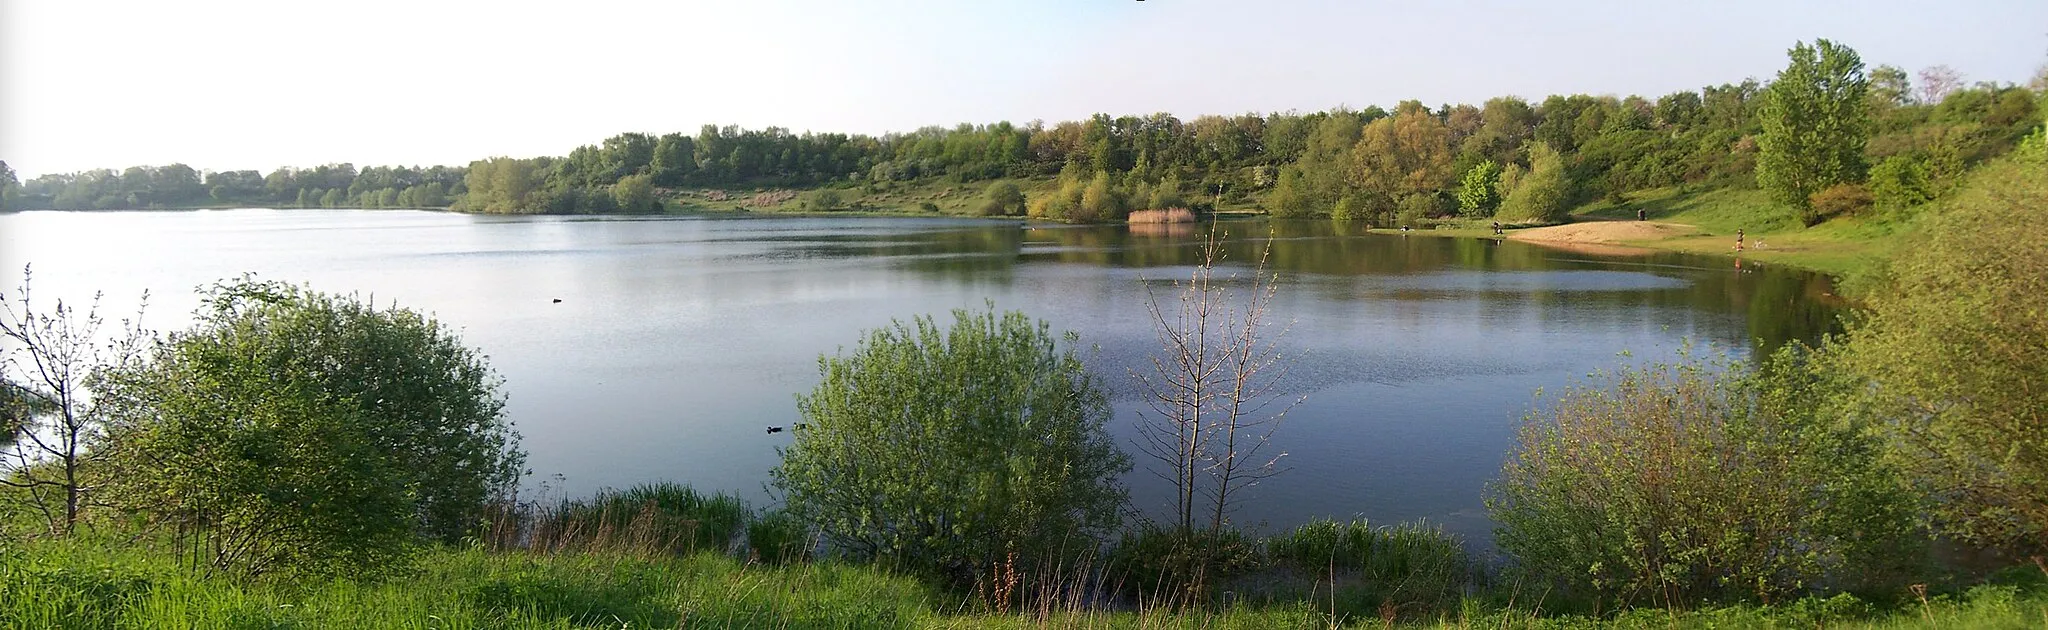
677	340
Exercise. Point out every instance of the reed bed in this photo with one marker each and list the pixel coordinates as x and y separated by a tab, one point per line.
1167	215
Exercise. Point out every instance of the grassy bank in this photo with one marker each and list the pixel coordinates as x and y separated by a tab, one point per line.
112	584
1841	246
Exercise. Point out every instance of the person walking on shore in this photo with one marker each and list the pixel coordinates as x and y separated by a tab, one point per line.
1738	239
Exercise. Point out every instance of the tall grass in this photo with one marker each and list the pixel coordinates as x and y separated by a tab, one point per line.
777	537
650	518
1404	571
96	584
62	585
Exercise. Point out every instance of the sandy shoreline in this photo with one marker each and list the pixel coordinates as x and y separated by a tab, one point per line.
1607	232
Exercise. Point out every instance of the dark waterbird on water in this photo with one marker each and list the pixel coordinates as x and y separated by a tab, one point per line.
774	429
558	300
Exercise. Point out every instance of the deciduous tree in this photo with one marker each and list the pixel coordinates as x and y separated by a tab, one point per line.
1815	125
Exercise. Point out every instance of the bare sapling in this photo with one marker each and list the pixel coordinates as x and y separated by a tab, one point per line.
1212	395
47	362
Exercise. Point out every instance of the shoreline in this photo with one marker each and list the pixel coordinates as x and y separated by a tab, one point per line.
1604	237
1634	238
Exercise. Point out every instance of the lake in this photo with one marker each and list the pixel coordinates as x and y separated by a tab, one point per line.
677	340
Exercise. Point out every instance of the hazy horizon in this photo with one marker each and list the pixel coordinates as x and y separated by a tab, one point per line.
252	85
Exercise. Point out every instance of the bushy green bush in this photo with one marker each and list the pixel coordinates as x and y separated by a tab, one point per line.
822	200
1101	201
1900	182
635	193
1675	484
1543	195
1840	200
949	451
1957	349
1002	199
290	429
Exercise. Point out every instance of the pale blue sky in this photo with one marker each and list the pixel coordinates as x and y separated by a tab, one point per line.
256	84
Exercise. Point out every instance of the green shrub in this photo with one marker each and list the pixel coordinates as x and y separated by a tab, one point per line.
1543	195
1699	481
1958	352
1840	200
822	200
1002	199
950	451
635	193
1900	182
1100	201
290	429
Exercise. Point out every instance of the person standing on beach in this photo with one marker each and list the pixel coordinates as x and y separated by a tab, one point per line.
1738	239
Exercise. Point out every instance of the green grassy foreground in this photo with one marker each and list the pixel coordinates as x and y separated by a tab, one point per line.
112	584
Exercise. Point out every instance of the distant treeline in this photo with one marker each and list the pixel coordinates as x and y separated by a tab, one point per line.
180	186
1374	164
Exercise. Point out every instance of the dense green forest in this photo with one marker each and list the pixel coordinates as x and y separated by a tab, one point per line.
1893	139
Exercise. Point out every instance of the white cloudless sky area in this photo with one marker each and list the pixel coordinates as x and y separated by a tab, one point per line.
223	85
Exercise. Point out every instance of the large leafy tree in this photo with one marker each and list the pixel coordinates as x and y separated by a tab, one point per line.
1404	155
1815	124
290	429
950	450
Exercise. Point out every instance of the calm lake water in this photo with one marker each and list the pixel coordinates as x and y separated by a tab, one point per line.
677	340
